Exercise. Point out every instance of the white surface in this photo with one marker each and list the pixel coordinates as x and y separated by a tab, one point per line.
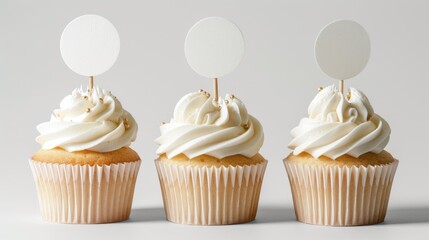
90	45
214	47
342	49
277	79
273	222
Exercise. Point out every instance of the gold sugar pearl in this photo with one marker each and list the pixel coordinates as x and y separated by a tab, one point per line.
88	110
226	102
232	96
349	95
101	100
162	122
246	126
201	91
216	104
207	94
126	123
320	88
85	97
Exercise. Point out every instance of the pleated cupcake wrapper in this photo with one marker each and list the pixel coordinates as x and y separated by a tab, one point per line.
340	196
202	195
83	193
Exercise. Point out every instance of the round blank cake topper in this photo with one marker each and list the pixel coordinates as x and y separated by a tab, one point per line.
214	47
342	49
90	45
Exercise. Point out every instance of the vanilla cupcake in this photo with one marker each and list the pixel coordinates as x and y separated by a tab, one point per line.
85	171
339	172
209	165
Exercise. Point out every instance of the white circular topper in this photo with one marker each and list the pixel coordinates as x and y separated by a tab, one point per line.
342	49
214	47
90	45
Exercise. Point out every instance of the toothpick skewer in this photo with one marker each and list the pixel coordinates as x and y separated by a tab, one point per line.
215	90
341	86
91	83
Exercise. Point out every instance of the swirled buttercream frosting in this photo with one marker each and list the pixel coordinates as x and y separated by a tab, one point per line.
339	125
219	129
88	120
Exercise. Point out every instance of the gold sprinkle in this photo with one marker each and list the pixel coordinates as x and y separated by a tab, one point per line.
126	123
85	97
246	126
320	88
201	91
216	104
226	102
88	110
207	94
101	100
232	96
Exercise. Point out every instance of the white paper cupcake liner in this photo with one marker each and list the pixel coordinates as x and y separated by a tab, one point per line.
83	193
210	195
340	196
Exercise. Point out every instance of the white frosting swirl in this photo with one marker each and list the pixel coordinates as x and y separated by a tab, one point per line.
337	126
95	122
200	126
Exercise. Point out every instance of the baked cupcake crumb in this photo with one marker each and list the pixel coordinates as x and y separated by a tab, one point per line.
206	160
60	156
367	159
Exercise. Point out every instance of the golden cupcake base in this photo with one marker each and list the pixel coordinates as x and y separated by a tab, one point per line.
335	195
73	193
210	195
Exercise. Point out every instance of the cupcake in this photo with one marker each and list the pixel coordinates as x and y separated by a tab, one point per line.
339	172
209	166
85	171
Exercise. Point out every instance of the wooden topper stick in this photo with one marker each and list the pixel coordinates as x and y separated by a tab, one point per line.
341	86
215	90
91	83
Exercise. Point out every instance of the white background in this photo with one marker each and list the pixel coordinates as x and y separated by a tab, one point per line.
277	80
